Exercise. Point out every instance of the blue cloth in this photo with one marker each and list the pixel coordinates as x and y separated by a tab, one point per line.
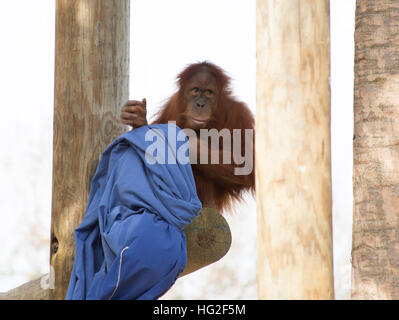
131	243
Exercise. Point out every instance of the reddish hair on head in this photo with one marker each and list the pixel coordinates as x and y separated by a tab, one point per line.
222	79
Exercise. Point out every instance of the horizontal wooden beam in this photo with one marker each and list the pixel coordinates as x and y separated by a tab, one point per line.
33	290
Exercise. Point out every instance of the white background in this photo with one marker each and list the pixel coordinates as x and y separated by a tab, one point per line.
165	37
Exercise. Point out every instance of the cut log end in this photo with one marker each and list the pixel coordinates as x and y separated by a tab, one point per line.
208	240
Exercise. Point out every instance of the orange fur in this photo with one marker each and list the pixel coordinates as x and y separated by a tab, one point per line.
217	186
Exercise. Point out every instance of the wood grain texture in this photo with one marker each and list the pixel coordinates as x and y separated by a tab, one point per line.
32	290
91	85
375	251
208	240
293	175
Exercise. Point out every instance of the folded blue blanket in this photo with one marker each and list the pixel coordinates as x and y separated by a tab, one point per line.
131	243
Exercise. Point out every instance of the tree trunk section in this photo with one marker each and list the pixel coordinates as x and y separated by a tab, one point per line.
91	85
375	251
208	240
293	175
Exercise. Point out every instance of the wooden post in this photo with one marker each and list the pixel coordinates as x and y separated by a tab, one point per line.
293	178
375	246
91	85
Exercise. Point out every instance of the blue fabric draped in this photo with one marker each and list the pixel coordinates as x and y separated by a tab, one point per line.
131	243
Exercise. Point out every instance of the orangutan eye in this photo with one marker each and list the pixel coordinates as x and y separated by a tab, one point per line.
195	91
209	93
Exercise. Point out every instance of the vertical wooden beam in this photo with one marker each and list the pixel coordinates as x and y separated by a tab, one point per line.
91	84
293	175
375	246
